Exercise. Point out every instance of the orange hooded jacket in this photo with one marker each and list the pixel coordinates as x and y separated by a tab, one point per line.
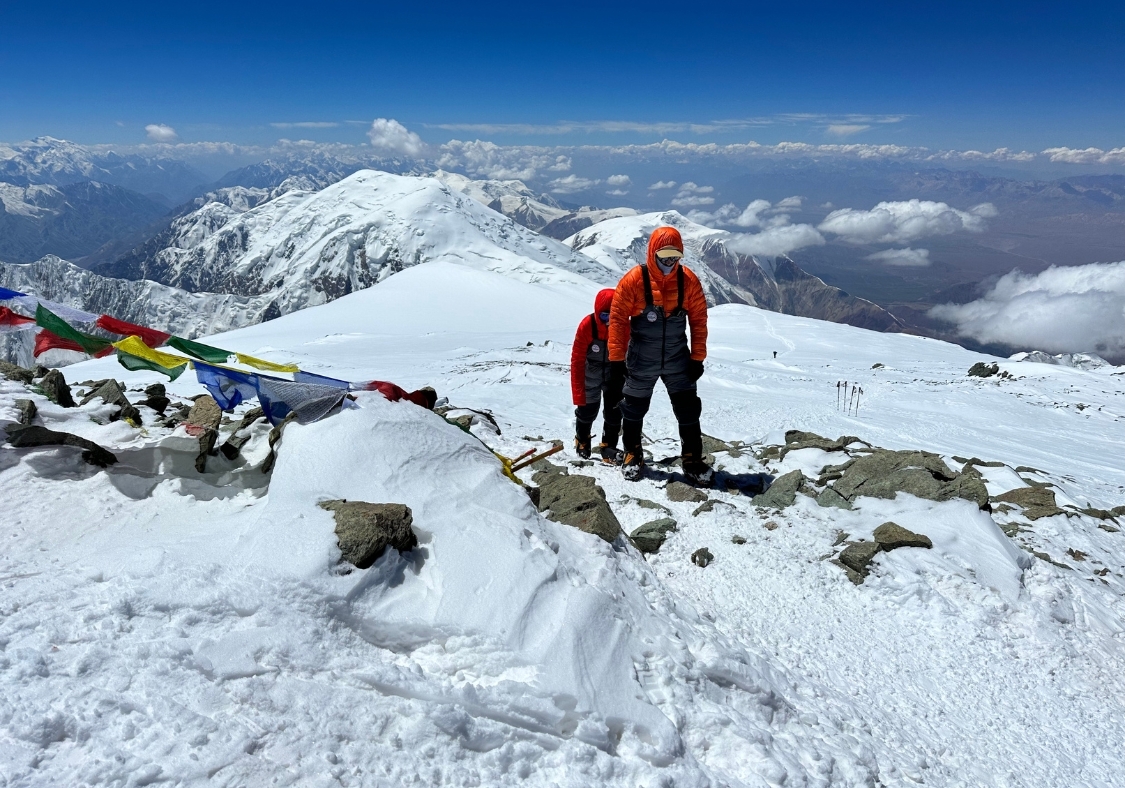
629	299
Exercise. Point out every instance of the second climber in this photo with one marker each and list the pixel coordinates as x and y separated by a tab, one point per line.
590	378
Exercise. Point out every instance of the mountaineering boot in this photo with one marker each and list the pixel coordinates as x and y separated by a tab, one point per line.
611	455
633	464
582	439
582	446
695	469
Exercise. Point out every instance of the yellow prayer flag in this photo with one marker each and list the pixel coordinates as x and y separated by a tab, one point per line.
135	347
262	364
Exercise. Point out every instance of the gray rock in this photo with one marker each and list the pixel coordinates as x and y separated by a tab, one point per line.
274	440
798	439
646	504
40	371
365	530
702	557
111	393
202	422
16	373
783	491
156	402
54	387
232	447
25	437
711	445
884	473
156	390
982	370
577	501
736	539
27	410
684	493
830	497
856	577
857	555
1036	501
649	537
892	535
709	506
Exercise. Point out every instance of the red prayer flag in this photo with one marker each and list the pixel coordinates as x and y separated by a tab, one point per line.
149	336
13	321
46	340
395	393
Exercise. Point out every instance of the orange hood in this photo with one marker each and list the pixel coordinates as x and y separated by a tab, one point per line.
661	238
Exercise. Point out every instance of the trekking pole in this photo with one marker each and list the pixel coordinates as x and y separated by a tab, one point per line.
857	397
837	395
851	397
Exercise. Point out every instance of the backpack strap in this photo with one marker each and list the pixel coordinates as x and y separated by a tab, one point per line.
648	285
594	326
680	288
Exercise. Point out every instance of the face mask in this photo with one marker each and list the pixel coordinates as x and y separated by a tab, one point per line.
666	265
604	317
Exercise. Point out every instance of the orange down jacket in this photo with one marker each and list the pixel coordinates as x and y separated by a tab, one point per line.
582	340
629	298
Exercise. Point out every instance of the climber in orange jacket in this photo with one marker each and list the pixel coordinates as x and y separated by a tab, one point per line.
654	306
589	378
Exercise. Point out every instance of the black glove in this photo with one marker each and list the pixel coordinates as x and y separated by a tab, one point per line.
694	369
617	374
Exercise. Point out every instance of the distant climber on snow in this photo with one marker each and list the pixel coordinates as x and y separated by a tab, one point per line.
589	378
653	307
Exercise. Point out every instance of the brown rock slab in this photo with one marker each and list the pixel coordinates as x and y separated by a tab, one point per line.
857	555
892	535
364	530
1036	501
27	410
684	493
577	501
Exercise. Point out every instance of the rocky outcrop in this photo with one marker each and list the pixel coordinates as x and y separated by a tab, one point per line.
202	422
856	557
27	410
111	393
982	370
884	474
702	558
54	387
26	437
783	492
577	501
232	447
364	531
649	537
16	372
1036	501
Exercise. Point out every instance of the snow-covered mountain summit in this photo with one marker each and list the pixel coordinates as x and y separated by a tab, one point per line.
305	248
774	283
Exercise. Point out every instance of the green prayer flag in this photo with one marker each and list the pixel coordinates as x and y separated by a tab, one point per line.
45	318
135	363
212	355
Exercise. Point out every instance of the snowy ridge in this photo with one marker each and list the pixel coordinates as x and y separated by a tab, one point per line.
303	249
194	627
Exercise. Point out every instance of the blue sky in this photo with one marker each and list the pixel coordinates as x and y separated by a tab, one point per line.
950	75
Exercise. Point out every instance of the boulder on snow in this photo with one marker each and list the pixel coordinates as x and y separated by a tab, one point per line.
27	410
577	501
16	373
709	506
111	393
856	556
702	557
202	422
649	537
274	440
982	370
783	491
884	473
365	530
239	438
30	436
1036	501
54	388
156	397
892	535
680	492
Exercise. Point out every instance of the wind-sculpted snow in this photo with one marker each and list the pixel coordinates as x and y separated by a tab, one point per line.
304	249
160	624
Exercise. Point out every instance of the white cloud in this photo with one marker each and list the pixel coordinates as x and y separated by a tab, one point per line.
1086	156
307	124
673	127
617	192
776	240
662	185
619	180
899	222
489	160
391	138
158	132
907	258
562	164
789	204
846	129
571	184
692	188
683	200
731	215
1071	309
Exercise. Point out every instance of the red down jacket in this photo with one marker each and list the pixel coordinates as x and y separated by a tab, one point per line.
582	339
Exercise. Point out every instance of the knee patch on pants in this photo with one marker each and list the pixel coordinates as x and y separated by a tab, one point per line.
687	407
634	408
